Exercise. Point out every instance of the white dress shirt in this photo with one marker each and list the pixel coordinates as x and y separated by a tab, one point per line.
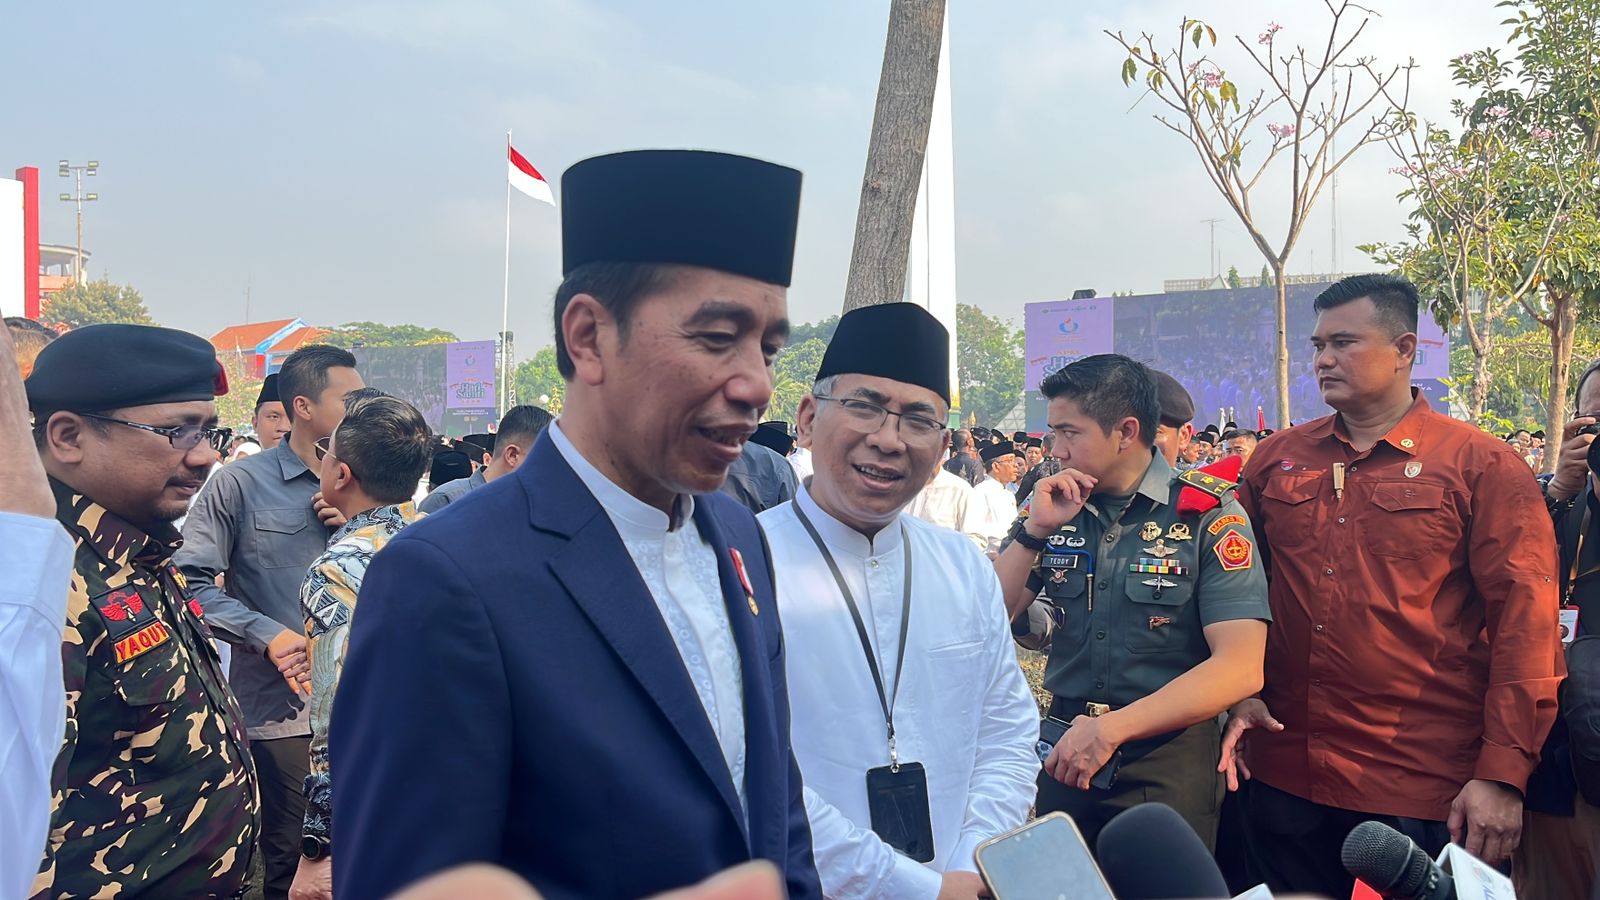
680	570
36	557
998	510
947	502
963	709
800	461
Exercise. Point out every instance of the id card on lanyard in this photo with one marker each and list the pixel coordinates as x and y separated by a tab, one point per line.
897	794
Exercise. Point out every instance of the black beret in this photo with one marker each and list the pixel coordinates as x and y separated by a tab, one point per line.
1019	437
980	433
774	436
995	451
899	341
448	465
117	366
1177	407
269	391
691	207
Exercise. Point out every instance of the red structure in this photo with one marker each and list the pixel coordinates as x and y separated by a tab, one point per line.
29	176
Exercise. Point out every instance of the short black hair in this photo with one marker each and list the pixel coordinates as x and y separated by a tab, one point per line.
1394	297
617	285
1109	387
1239	433
960	440
305	372
521	423
1577	390
386	443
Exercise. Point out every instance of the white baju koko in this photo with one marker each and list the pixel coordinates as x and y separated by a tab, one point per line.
962	708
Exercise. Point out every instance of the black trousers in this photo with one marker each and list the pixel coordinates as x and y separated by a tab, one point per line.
1294	844
1179	770
281	768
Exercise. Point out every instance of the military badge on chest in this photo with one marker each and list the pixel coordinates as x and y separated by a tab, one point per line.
131	625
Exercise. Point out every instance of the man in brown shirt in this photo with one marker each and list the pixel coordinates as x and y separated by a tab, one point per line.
1412	665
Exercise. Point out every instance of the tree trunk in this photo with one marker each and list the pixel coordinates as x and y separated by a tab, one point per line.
894	154
1480	344
1281	351
1563	327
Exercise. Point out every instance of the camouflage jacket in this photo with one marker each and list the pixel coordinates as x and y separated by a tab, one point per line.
155	790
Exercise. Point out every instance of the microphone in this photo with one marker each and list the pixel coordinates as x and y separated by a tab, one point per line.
1393	865
1151	853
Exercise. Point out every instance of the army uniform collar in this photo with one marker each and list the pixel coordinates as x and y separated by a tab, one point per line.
1156	483
114	539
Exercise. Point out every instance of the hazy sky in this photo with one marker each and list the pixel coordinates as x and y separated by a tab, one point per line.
345	161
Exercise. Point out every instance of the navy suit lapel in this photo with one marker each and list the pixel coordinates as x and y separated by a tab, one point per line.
744	608
602	580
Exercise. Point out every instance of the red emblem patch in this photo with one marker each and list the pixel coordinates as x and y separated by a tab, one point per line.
1159	622
115	611
1234	551
196	608
1286	465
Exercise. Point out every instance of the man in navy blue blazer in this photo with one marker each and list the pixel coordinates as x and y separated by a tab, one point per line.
577	671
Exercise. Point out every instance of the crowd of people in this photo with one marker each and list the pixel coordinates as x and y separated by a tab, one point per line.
627	650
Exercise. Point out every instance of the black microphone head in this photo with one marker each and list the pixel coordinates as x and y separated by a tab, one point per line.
1388	861
1151	853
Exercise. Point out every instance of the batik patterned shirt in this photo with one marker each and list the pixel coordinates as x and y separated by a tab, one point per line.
328	601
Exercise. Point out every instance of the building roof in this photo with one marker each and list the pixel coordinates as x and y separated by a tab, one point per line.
297	338
247	337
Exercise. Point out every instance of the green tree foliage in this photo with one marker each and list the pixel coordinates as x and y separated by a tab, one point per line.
97	303
237	408
990	364
1234	281
796	368
538	377
377	334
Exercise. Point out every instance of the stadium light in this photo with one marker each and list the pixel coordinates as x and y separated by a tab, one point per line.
92	167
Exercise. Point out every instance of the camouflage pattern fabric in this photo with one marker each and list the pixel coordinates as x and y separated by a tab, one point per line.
155	790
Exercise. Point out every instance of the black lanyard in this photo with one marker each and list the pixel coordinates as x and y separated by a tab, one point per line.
886	700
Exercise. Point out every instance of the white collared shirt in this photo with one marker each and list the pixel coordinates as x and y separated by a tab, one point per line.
998	510
679	568
36	556
947	502
963	708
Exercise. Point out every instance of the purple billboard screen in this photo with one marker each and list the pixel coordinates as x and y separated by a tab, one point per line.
1219	345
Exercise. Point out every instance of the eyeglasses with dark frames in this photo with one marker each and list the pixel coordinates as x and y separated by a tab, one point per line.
182	437
869	417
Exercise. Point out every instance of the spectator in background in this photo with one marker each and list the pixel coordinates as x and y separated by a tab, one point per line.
271	422
28	337
1044	469
367	469
963	459
1239	442
261	522
519	428
997	502
449	465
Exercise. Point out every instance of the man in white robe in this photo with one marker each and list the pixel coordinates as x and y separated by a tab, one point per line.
938	706
947	502
997	505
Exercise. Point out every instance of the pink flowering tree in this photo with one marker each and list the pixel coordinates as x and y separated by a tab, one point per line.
1307	98
1467	247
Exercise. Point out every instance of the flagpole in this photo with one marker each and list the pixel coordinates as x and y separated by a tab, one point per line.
505	297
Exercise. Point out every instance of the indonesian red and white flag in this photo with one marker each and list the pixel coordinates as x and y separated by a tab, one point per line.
525	178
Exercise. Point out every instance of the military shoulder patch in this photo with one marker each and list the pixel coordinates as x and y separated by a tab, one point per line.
1223	522
123	611
1211	484
131	624
1234	551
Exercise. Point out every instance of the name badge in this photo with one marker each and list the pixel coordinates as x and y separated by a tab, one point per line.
1569	624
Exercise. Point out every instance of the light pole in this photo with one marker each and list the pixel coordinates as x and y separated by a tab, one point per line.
66	169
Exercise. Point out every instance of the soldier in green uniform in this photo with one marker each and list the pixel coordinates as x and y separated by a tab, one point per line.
154	787
1159	600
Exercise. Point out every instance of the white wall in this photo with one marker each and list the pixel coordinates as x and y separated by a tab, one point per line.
10	247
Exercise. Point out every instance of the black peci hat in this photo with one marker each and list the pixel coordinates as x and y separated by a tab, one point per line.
899	341
690	207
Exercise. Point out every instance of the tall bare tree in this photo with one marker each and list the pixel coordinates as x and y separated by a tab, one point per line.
895	153
1310	98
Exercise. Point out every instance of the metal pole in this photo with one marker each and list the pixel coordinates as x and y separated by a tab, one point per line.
77	265
505	293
